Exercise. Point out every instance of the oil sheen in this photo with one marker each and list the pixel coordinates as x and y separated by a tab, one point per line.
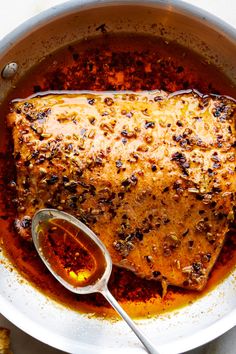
73	255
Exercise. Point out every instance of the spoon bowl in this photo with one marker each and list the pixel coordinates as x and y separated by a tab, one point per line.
44	216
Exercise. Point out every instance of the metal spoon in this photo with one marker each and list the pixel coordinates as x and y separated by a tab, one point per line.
100	285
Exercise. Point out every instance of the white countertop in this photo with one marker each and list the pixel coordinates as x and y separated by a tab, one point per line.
14	12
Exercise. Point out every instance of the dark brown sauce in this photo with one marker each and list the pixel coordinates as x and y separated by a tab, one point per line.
73	255
112	63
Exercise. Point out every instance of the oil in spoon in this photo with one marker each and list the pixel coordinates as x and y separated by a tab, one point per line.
71	253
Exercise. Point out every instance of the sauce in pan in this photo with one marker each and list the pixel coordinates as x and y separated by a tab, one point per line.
110	62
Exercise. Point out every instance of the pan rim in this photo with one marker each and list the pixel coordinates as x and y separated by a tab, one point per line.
70	7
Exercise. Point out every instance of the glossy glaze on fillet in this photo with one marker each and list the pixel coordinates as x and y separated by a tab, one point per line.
153	175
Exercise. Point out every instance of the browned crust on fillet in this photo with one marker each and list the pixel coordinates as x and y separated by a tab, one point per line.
152	175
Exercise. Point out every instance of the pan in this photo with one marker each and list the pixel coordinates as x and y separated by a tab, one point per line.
25	306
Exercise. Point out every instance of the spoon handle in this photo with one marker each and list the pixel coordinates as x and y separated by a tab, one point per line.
143	339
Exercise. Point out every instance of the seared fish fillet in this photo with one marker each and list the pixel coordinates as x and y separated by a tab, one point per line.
153	175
